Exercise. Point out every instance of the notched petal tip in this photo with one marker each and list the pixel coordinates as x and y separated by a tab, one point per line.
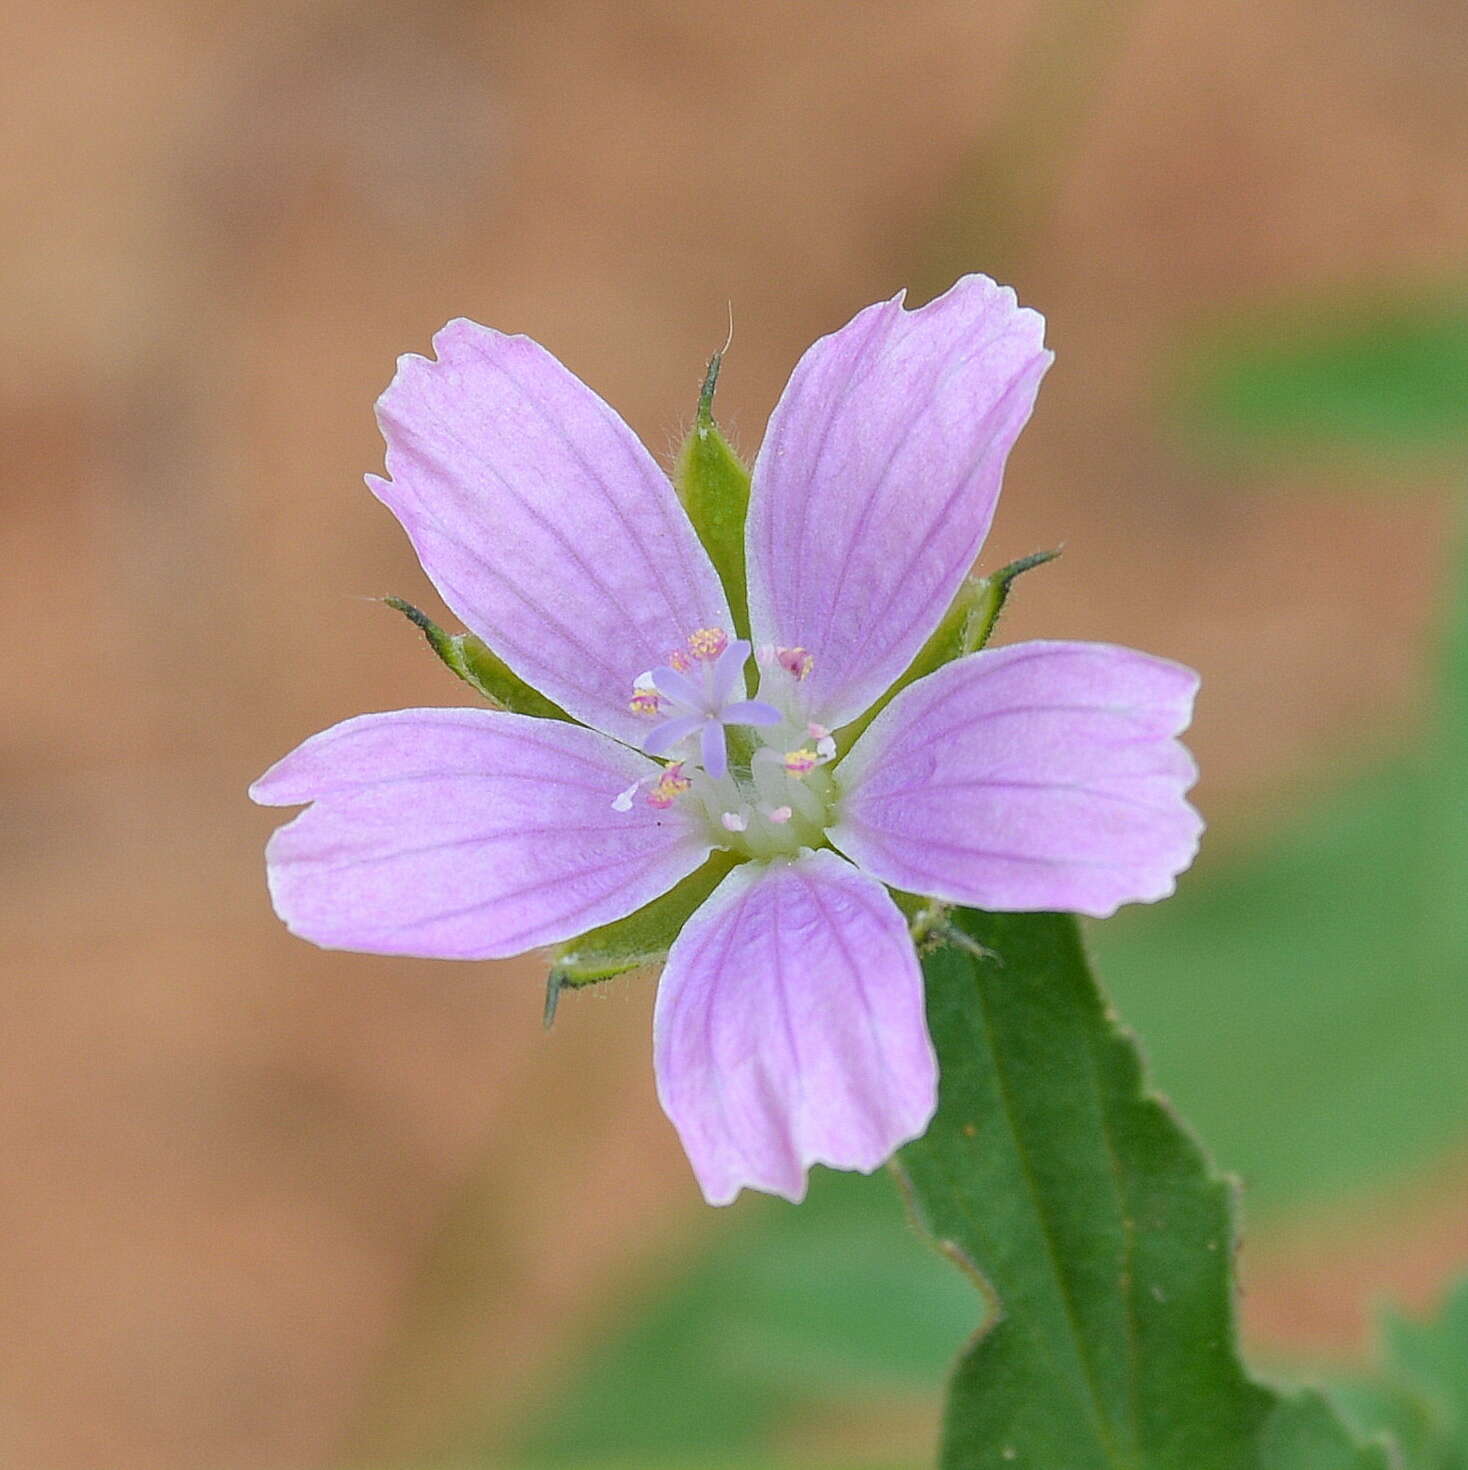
262	791
878	478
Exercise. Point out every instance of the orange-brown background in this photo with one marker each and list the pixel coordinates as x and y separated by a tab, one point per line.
225	1156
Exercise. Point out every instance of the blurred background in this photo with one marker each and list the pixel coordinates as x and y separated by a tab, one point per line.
264	1206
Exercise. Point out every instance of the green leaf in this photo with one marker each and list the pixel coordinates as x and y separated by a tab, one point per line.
1104	1239
479	667
714	487
1100	1237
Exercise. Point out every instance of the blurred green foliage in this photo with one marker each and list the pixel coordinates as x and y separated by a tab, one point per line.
1307	1002
1419	1396
1289	1007
1384	378
827	1302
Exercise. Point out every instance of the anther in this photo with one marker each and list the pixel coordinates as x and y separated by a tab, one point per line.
797	662
800	762
706	644
671	785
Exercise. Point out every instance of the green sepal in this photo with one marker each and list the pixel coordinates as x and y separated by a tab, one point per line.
927	918
642	938
480	668
713	485
966	627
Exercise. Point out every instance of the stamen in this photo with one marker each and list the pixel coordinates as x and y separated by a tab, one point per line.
797	662
680	661
671	785
734	822
706	644
800	762
622	802
646	702
780	815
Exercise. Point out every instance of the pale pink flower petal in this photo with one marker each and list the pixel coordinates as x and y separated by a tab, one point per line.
877	480
789	1026
1036	776
466	834
542	520
790	1030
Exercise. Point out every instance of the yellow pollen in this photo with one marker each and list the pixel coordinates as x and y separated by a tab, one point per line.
679	661
800	762
707	643
797	662
671	785
645	702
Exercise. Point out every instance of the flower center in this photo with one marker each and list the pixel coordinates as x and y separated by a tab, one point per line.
762	788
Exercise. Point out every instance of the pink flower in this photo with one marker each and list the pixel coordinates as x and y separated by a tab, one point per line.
789	1026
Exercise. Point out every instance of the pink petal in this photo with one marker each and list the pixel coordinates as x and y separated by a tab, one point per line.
790	1029
465	834
543	522
1037	776
877	480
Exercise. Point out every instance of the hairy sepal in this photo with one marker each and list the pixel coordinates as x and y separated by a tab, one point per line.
641	939
966	627
713	484
472	660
